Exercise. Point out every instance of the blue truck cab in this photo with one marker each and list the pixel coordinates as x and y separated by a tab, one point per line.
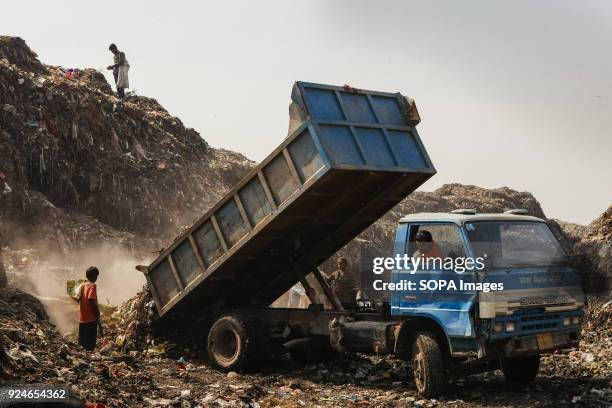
517	298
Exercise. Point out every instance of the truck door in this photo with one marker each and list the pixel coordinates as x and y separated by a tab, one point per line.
435	295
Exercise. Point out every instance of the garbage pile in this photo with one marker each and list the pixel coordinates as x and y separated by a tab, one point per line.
32	351
135	328
592	360
574	232
590	365
75	159
593	253
130	325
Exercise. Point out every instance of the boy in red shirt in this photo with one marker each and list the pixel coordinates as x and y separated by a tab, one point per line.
89	319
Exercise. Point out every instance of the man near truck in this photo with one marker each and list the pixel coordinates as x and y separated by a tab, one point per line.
343	282
89	319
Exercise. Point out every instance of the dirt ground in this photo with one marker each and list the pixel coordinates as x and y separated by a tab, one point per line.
285	385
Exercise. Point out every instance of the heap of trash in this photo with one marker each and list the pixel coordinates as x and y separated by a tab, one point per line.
75	159
593	253
130	327
33	352
592	360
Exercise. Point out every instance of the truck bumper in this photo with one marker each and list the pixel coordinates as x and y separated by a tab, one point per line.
539	343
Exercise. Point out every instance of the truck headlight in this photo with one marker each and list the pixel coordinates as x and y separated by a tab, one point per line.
498	328
567	321
510	327
575	320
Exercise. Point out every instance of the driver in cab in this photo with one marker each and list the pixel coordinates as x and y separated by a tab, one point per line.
426	246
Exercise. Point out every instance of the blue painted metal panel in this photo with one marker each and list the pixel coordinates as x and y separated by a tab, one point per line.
364	129
305	156
407	150
535	277
451	308
357	108
388	110
340	145
375	147
324	104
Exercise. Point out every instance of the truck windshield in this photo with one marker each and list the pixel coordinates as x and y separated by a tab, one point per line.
507	244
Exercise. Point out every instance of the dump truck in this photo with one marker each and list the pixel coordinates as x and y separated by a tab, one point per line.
350	156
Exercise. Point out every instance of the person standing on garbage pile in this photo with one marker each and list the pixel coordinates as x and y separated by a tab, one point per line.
89	320
343	283
120	69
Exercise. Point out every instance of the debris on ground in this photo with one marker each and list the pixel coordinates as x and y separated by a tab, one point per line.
593	253
32	351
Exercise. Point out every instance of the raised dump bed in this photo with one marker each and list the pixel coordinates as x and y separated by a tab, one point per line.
352	156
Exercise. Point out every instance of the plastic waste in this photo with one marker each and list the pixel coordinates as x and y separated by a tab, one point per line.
73	287
157	350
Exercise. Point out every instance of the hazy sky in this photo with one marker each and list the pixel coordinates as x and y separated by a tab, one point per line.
514	93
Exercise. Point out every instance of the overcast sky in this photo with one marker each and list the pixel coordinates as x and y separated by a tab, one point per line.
514	93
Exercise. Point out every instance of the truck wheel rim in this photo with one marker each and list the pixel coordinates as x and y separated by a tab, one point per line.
226	346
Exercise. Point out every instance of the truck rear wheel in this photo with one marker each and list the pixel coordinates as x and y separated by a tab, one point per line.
522	369
428	365
235	343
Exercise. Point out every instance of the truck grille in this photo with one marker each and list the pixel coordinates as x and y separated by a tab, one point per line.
540	322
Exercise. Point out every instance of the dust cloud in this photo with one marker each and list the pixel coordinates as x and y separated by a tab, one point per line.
44	272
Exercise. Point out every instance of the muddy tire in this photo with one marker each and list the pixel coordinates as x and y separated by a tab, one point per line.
521	369
428	365
235	343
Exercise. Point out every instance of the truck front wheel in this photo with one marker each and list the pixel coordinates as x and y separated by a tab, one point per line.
522	369
235	343
428	365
